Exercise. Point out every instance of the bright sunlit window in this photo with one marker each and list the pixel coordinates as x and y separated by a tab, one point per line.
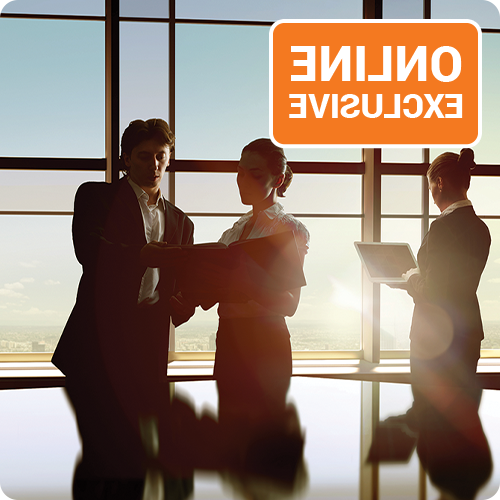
206	70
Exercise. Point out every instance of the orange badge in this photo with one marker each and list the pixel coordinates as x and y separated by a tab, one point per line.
375	83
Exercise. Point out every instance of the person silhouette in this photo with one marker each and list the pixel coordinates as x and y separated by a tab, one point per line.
253	361
113	349
446	329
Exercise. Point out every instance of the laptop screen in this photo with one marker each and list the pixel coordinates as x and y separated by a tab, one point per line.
386	260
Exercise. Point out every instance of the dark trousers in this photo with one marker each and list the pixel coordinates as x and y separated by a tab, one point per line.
253	366
120	388
445	382
452	446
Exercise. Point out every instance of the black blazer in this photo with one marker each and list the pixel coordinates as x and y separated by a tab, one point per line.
451	259
108	234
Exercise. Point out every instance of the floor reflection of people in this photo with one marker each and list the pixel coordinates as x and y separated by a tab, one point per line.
452	446
253	361
446	334
264	458
450	442
447	330
256	458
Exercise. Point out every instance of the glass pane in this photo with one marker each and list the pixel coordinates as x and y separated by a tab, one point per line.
318	193
39	281
433	209
215	116
53	75
403	231
308	193
396	310
143	72
489	290
483	193
222	94
321	194
488	148
208	192
210	229
199	333
36	190
144	8
483	12
263	10
329	313
401	194
61	7
402	155
396	306
409	9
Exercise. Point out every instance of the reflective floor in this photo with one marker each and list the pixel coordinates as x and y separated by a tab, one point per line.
336	418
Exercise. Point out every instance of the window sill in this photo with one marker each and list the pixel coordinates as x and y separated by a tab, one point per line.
31	375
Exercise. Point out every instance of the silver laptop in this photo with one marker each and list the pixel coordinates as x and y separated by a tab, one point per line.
385	262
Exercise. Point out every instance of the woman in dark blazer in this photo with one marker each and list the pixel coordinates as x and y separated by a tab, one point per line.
447	330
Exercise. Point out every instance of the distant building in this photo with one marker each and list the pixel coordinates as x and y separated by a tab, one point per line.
211	342
38	346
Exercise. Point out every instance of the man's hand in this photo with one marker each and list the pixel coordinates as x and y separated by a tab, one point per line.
160	254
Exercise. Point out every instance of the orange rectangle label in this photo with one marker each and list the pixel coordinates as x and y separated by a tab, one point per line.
375	83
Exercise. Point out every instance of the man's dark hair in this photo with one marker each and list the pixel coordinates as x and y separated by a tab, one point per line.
140	130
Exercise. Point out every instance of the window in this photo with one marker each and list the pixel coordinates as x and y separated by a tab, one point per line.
53	91
52	121
203	66
39	270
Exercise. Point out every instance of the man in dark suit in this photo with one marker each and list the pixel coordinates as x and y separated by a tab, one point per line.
113	350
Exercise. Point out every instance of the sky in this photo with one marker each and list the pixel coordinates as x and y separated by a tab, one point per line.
52	82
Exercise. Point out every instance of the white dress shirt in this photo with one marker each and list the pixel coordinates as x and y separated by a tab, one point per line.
270	221
454	206
153	217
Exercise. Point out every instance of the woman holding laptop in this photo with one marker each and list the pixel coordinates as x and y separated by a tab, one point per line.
447	330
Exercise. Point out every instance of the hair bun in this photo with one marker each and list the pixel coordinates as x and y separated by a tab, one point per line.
466	158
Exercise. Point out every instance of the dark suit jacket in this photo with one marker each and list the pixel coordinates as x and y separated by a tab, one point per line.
451	259
108	234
